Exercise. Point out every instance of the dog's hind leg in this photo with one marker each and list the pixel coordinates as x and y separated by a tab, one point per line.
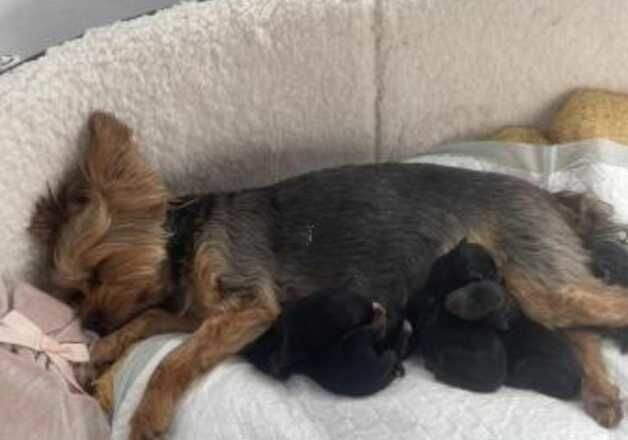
588	303
600	397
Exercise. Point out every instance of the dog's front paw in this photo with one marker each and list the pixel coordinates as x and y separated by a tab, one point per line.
605	409
154	414
152	417
104	351
85	373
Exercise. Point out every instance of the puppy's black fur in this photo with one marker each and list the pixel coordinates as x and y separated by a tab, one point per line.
471	353
540	360
466	354
332	337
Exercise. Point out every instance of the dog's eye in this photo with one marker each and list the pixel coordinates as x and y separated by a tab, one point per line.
94	280
75	298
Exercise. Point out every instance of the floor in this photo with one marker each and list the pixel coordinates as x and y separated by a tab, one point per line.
28	27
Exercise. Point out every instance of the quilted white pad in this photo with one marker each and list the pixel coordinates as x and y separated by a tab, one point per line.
236	402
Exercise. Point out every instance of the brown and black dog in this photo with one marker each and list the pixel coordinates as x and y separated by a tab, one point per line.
220	265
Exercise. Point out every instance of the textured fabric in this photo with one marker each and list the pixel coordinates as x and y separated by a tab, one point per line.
36	401
460	69
16	329
235	401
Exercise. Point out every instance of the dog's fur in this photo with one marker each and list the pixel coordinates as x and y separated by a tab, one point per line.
244	253
331	336
467	350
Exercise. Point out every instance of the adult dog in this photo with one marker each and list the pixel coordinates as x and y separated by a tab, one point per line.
220	265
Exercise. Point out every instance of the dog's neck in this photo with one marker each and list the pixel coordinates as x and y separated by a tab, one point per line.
184	221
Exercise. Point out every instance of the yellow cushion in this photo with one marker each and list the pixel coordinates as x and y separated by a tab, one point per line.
590	113
525	135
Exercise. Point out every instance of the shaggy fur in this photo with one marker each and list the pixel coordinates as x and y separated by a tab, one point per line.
104	229
380	226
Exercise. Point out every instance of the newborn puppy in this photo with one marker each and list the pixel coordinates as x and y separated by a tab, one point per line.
332	337
537	359
471	337
460	352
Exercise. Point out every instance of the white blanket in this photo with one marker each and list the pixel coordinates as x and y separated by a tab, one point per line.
236	402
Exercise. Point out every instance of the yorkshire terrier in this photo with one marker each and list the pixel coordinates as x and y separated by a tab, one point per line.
138	261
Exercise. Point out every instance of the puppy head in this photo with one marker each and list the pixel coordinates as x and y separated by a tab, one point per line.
330	311
317	321
472	262
476	300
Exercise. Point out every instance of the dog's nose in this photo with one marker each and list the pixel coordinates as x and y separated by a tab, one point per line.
95	322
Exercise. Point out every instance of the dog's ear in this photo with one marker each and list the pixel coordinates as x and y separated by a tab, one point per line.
53	209
46	218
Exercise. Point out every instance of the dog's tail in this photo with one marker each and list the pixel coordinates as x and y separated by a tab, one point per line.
107	214
590	217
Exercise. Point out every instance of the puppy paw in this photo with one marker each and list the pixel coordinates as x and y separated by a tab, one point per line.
403	343
399	370
606	410
379	312
378	324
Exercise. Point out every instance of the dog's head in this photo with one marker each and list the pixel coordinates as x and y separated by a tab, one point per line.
104	230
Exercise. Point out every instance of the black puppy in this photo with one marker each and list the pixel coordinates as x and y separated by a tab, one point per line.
459	352
471	337
537	359
333	337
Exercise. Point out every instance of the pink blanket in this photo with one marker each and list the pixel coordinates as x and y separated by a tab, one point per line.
40	398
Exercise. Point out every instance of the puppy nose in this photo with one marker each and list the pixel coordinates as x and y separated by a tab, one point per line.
94	322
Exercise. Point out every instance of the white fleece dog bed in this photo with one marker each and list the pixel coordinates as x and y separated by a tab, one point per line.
237	402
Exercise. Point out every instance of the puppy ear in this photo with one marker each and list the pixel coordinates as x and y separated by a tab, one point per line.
499	320
475	301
